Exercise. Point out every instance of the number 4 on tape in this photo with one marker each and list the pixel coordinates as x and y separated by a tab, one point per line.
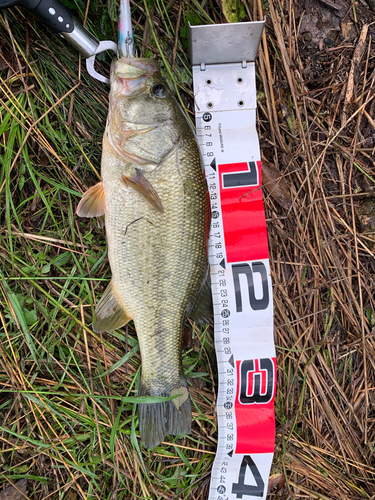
225	107
240	488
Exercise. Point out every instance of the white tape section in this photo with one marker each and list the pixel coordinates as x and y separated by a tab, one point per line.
225	106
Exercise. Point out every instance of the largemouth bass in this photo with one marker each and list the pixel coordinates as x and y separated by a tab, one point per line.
154	198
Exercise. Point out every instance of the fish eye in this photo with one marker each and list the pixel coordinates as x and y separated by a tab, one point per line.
159	90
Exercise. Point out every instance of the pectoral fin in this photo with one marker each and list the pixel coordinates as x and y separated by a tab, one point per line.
109	314
92	203
139	182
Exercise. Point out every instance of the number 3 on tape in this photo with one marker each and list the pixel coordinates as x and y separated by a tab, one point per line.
225	107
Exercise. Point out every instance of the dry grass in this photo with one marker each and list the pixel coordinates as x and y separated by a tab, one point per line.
67	419
323	268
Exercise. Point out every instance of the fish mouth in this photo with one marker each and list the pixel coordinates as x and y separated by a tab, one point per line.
129	75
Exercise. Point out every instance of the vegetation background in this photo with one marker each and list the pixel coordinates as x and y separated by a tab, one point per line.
68	422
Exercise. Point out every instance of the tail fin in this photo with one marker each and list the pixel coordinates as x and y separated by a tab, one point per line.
156	420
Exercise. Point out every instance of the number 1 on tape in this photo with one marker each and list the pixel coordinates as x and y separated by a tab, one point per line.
225	106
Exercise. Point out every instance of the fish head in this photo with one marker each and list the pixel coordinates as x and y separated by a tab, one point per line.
144	120
138	90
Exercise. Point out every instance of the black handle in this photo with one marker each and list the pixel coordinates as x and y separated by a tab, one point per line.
7	3
52	12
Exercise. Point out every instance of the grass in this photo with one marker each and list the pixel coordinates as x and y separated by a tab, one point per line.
68	415
68	421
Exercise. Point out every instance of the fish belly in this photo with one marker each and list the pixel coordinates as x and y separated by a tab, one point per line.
158	262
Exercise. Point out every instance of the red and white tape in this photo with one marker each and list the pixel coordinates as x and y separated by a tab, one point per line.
225	106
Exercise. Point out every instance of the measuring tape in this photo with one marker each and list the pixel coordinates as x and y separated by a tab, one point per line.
225	108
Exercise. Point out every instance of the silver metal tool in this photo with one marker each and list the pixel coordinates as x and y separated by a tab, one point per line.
60	20
89	46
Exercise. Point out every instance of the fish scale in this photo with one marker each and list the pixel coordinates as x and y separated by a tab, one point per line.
154	197
145	279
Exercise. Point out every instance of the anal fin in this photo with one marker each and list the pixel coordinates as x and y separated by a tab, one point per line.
202	311
92	203
139	182
109	313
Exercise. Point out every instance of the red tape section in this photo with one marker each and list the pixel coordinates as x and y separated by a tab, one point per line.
243	211
246	240
254	405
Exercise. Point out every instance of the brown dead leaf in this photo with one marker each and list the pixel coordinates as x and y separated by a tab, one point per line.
183	396
346	26
276	185
72	495
366	216
275	480
321	22
16	492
